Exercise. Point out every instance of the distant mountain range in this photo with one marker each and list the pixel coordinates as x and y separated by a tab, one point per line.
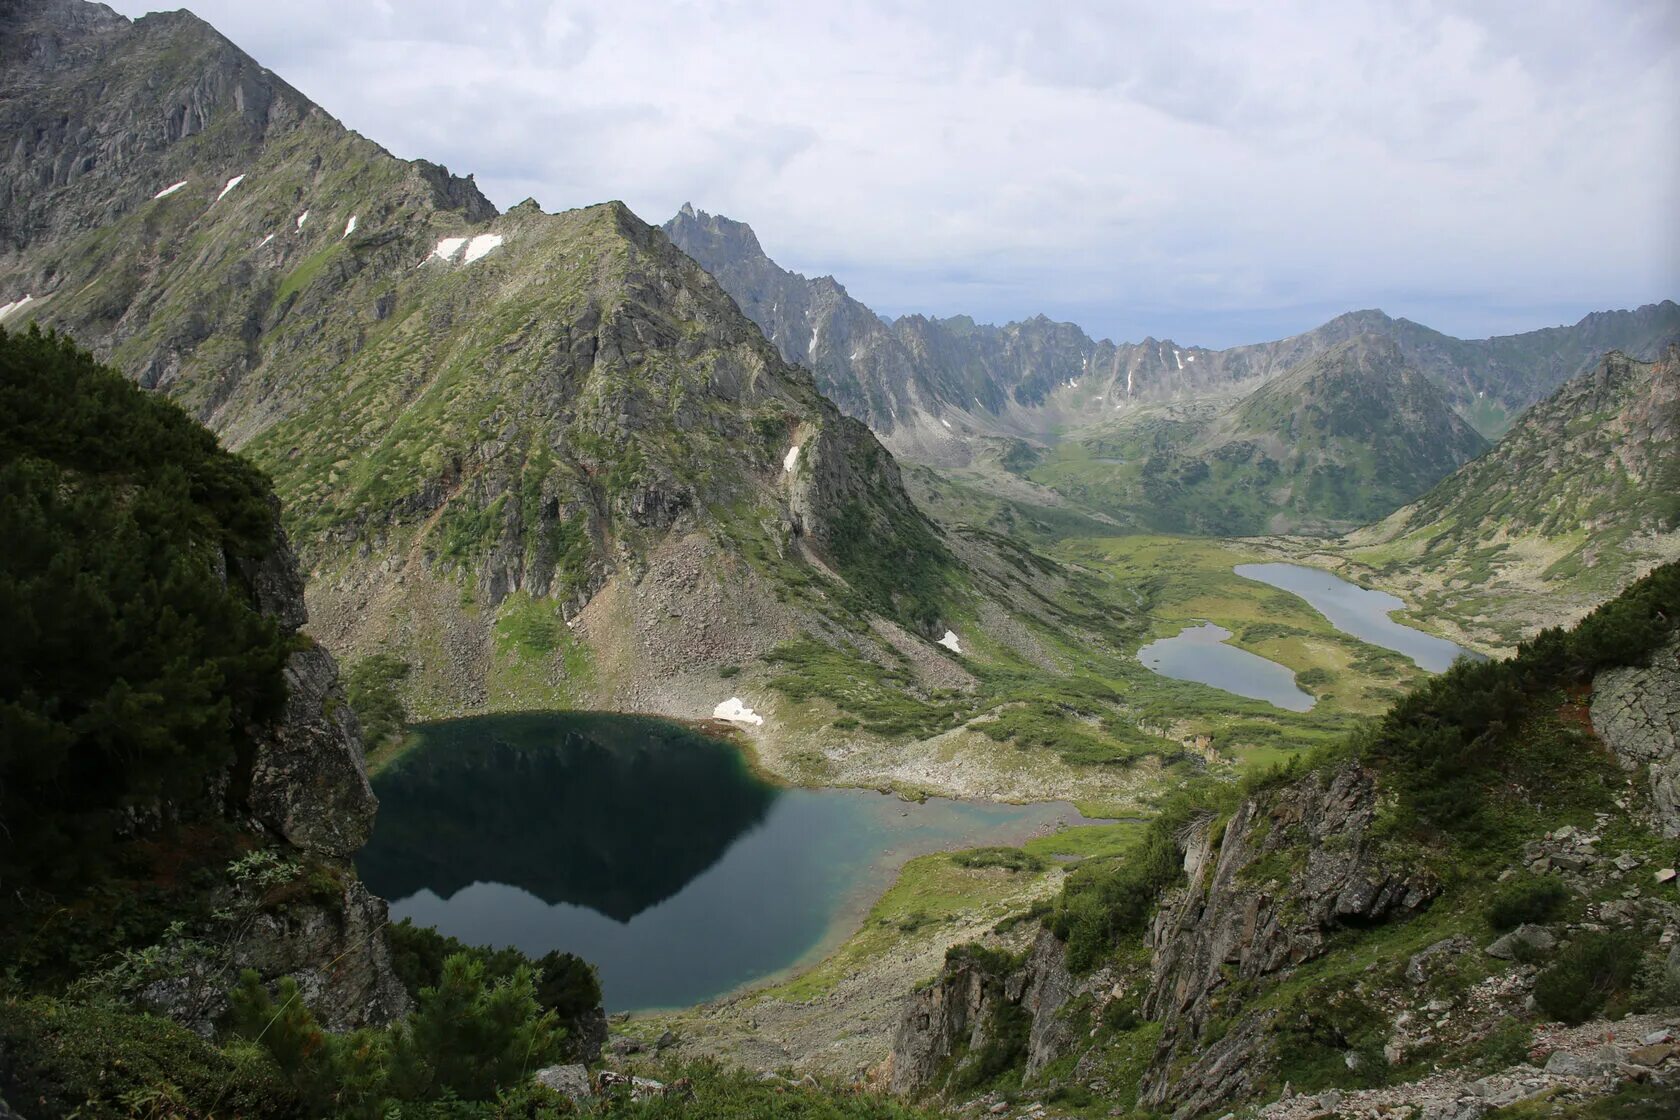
925	385
1341	439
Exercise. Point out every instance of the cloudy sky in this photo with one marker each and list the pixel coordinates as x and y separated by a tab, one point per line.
1214	172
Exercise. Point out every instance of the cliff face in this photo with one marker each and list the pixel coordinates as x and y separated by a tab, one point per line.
1637	714
1253	908
304	790
1290	867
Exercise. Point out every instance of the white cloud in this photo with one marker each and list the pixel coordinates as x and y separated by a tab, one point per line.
1213	171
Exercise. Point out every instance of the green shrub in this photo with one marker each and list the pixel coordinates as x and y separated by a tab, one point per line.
1445	743
566	984
371	685
136	657
1102	904
1527	899
468	1038
64	1059
1593	971
1011	859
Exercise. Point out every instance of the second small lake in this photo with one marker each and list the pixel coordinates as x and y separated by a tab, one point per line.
1199	653
648	849
1359	611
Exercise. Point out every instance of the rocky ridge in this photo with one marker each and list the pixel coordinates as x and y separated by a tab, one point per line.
933	388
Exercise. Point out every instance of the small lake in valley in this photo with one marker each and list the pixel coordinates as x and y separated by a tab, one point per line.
1199	653
1360	612
646	848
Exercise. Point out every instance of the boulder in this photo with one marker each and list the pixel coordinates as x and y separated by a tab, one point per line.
1524	940
570	1081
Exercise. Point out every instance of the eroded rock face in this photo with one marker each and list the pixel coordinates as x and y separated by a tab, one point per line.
959	1014
308	781
1293	865
1636	711
338	953
305	785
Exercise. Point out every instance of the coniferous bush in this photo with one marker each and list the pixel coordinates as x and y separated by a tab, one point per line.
1590	972
136	659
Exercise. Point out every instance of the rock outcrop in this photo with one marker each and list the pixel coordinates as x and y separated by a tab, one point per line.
980	999
1293	865
1636	711
301	793
1289	867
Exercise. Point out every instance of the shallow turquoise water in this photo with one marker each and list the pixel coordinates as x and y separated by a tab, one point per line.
1359	611
1199	653
645	848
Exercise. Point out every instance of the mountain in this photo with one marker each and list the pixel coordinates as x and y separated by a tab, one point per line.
1353	431
540	459
927	386
1578	498
1341	439
467	415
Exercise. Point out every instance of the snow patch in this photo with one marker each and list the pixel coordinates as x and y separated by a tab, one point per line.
733	711
944	421
1128	385
171	189
16	305
1178	359
481	245
1189	357
231	183
791	459
265	241
303	217
853	356
349	228
816	333
951	642
448	248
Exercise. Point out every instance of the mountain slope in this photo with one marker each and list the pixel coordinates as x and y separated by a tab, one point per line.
1355	430
541	458
486	406
1344	437
926	385
1469	887
1577	498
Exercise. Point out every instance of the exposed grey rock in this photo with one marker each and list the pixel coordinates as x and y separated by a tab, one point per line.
1230	929
571	1081
1636	711
955	1015
308	781
1423	965
1563	1063
1528	938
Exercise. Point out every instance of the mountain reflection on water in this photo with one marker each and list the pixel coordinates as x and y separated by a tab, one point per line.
615	813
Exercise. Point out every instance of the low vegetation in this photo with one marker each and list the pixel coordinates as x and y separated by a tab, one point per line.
135	656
